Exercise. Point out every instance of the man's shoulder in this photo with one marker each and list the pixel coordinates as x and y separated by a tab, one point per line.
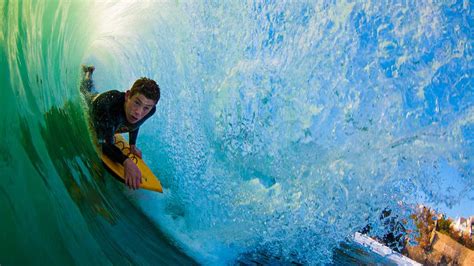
109	101
112	93
110	96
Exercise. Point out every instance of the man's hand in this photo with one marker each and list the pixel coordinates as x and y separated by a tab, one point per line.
136	151
133	176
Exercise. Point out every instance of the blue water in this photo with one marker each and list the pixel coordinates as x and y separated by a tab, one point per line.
282	129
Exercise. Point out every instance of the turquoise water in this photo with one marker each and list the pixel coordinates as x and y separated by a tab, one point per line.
283	127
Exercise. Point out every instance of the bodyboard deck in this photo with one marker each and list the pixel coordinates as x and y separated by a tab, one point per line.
149	180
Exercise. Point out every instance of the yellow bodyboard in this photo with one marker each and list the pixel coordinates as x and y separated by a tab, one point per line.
149	180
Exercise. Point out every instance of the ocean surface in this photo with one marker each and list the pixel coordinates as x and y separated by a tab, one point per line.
283	127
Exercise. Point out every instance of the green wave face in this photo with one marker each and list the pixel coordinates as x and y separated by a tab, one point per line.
282	129
56	202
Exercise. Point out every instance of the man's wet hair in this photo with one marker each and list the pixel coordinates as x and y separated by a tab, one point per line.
147	87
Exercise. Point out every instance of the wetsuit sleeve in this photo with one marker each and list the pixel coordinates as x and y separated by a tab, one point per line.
114	153
133	136
104	125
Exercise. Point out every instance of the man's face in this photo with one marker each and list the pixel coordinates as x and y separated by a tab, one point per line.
137	107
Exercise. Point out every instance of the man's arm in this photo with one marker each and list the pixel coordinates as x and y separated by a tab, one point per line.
132	136
104	122
104	117
133	139
132	175
113	152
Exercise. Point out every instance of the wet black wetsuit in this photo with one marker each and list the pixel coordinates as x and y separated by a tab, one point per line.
107	112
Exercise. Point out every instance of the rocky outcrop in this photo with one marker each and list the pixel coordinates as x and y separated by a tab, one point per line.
452	249
443	250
